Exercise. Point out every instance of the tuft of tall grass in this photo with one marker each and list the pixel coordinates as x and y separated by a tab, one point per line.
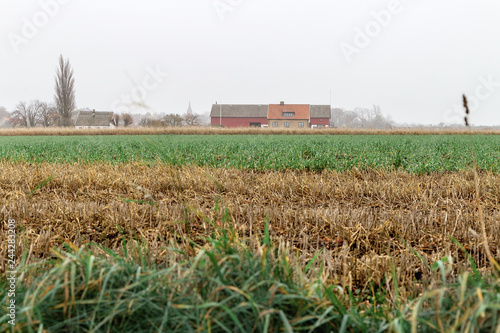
226	287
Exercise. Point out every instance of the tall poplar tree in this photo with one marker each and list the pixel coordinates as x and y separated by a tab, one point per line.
65	92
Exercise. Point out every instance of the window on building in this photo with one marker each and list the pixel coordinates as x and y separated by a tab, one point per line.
287	124
275	124
288	114
301	124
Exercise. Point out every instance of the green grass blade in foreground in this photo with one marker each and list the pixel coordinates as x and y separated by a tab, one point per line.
40	186
477	274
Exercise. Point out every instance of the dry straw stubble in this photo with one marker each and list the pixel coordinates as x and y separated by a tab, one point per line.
365	221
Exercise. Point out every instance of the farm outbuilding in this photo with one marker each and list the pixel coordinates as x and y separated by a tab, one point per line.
94	120
320	115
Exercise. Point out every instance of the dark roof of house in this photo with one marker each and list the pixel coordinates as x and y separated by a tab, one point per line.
239	111
320	111
300	111
87	118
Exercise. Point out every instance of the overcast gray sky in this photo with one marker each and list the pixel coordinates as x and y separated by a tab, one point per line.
414	58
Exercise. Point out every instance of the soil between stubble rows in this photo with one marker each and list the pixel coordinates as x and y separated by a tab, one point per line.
362	219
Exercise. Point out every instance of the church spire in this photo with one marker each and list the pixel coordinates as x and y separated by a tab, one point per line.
189	111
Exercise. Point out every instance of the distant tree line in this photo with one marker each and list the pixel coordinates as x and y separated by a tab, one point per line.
34	113
42	114
170	120
361	118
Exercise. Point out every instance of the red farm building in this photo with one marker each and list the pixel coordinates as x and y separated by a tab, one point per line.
274	115
320	115
239	115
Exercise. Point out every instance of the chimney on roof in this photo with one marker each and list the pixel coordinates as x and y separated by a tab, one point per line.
93	113
282	103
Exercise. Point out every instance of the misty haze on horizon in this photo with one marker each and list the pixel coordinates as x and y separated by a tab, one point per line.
413	58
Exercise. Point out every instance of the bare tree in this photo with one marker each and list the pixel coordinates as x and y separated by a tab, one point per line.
48	114
156	123
26	115
149	122
65	92
127	119
173	120
115	119
145	119
192	120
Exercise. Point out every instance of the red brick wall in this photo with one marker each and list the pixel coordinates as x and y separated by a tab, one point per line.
238	122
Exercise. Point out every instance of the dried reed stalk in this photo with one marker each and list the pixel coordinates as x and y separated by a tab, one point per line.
494	263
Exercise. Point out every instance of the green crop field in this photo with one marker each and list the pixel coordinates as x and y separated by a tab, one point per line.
415	154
